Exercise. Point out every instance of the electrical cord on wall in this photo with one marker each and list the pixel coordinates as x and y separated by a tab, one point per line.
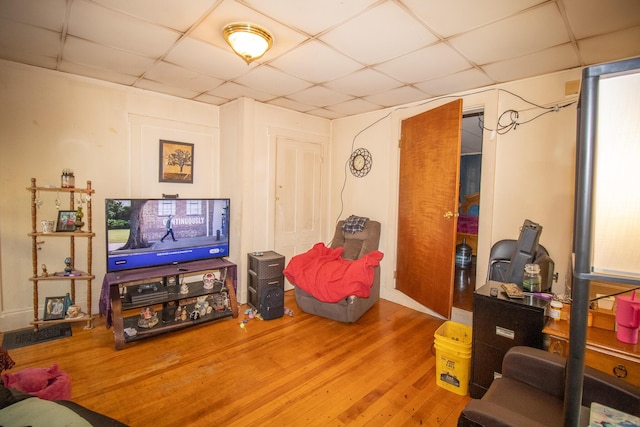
510	116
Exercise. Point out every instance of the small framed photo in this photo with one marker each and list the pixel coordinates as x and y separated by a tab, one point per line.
176	162
66	221
54	308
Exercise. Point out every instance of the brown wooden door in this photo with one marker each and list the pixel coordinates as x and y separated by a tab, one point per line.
428	193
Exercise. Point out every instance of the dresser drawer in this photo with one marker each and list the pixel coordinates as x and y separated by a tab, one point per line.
628	370
507	324
267	265
601	359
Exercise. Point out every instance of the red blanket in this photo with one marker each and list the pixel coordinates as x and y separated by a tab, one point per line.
323	273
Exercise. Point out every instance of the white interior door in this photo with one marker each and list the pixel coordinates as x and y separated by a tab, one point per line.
298	197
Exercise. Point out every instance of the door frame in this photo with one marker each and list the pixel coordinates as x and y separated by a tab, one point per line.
486	101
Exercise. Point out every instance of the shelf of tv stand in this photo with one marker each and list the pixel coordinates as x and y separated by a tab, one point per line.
173	325
196	289
124	314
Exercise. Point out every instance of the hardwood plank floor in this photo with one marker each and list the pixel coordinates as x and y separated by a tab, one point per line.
464	285
302	370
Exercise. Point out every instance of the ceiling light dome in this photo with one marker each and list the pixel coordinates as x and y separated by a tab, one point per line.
249	41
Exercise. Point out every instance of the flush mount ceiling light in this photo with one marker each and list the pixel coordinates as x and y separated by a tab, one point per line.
249	41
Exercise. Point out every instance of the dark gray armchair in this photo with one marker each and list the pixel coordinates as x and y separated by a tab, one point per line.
354	245
531	392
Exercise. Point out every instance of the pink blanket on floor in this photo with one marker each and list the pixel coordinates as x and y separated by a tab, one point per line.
323	273
46	383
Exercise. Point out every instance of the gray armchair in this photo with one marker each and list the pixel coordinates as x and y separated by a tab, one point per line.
531	391
354	245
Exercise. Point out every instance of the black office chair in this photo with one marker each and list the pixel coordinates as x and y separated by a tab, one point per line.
500	259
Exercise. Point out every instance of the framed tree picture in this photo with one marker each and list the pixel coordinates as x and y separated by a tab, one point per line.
176	162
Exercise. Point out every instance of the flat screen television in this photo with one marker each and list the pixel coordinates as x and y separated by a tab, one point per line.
151	232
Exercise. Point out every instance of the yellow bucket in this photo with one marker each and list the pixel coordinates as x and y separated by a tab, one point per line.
452	342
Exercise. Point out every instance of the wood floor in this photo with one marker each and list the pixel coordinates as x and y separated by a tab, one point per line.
464	284
299	370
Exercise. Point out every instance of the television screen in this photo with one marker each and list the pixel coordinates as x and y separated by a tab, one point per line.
150	232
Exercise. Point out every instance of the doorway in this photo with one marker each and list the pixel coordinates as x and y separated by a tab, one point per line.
470	172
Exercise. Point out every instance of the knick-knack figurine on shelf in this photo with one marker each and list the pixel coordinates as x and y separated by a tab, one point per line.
67	265
68	302
79	215
184	288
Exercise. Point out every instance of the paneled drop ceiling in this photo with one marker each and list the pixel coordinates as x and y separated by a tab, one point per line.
330	58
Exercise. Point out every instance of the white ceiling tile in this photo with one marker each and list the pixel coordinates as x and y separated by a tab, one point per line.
87	53
593	17
458	82
609	47
451	17
379	34
97	73
316	63
97	24
48	14
231	90
210	31
398	96
18	37
178	15
166	89
205	58
505	39
291	105
311	16
430	62
354	106
544	62
175	76
363	82
319	95
268	79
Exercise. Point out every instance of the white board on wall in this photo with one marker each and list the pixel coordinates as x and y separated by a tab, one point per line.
617	176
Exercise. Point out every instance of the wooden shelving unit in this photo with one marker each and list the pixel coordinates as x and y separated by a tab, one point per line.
37	236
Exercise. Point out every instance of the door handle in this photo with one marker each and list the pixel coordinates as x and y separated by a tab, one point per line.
449	214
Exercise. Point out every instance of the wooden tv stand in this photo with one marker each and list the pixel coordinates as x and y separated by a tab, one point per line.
198	305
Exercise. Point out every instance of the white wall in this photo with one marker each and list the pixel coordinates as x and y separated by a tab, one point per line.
253	129
107	134
526	173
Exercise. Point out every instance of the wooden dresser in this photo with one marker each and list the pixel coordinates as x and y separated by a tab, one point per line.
603	352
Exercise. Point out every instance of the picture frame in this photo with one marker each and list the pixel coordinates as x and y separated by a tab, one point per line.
176	162
54	308
66	221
